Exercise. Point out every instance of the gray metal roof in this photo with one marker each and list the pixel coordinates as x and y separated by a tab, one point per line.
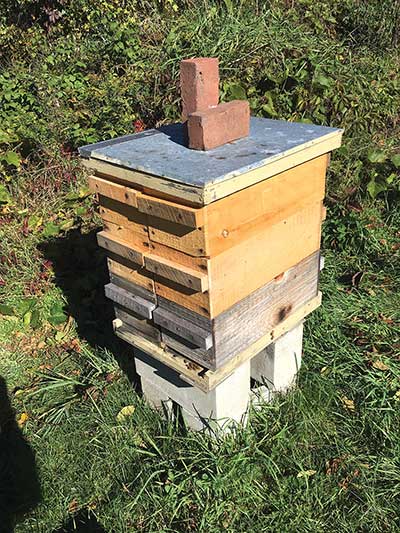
163	152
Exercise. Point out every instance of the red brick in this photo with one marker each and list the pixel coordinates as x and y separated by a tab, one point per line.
199	84
219	125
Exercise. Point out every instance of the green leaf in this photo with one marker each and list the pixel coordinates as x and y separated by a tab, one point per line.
51	230
26	305
395	159
6	310
12	158
322	81
376	156
236	91
390	179
67	224
35	319
80	211
34	222
5	197
269	106
27	318
374	188
79	195
57	315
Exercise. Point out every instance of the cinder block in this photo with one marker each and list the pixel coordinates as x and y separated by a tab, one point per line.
217	409
219	125
199	79
277	365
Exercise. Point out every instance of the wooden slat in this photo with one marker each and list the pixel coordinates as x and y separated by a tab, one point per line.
217	191
111	243
126	235
113	190
173	189
131	301
177	273
134	288
188	240
141	325
174	212
182	328
195	374
131	273
191	351
123	215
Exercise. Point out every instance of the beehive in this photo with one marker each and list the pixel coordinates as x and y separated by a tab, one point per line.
211	253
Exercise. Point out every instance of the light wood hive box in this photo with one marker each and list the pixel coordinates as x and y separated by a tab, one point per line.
210	252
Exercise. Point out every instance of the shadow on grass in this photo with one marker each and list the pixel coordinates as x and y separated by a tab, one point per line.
81	523
19	482
80	270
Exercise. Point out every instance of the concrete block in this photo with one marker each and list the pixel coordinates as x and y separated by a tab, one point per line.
219	408
199	78
219	125
277	365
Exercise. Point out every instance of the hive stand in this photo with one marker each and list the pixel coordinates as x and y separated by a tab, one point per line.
273	370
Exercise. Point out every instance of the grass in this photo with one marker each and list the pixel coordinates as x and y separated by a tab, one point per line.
324	457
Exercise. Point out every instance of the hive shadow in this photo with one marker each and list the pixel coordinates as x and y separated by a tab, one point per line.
80	271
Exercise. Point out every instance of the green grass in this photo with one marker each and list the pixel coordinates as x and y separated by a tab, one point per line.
323	458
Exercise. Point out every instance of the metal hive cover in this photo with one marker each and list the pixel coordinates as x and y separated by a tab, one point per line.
163	152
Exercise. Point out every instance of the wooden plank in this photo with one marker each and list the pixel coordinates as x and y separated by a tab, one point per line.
195	374
133	287
244	268
113	244
177	273
195	318
188	240
182	328
283	327
141	325
131	301
129	237
248	320
123	215
181	346
172	211
131	273
113	190
173	189
198	302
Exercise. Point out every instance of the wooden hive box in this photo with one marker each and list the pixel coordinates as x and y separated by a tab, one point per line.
208	251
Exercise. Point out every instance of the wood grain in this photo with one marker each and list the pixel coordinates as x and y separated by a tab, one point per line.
141	325
113	190
131	301
172	211
131	273
113	244
194	373
180	274
244	268
183	328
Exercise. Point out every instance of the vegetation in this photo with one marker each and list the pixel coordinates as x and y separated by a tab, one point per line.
323	458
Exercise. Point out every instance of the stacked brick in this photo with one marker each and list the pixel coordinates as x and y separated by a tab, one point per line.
213	263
